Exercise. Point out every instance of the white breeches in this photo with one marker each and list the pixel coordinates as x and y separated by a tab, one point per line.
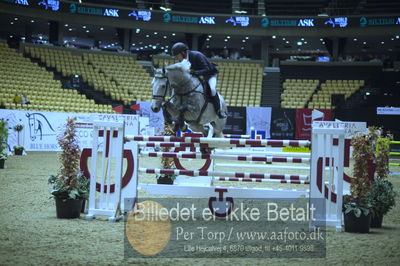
213	85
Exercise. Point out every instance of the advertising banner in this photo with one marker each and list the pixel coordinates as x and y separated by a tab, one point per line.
283	123
259	119
236	122
304	119
42	128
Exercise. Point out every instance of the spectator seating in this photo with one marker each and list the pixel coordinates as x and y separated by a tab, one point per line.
240	83
297	92
322	98
131	79
19	75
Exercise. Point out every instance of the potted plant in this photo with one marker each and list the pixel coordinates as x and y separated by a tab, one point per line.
18	149
69	187
357	214
3	142
382	199
382	196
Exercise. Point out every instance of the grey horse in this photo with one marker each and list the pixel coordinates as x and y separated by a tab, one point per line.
188	102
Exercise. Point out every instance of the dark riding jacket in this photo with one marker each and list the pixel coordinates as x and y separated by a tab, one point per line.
201	66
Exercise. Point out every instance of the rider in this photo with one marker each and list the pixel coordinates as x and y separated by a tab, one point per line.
201	66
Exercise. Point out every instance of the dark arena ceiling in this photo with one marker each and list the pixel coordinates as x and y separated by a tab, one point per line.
264	7
84	35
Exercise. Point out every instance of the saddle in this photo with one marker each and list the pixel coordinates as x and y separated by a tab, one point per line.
206	87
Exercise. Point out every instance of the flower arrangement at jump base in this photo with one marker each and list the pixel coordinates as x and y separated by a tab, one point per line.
3	142
382	195
18	149
166	162
372	195
69	187
357	210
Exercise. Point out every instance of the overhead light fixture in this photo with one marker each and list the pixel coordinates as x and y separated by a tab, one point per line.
166	9
15	18
101	28
298	43
84	27
32	21
155	33
323	15
240	12
173	34
165	37
273	37
137	30
355	39
65	25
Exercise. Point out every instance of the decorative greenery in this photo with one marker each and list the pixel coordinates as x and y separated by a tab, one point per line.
382	156
70	182
356	208
17	147
363	155
3	156
381	197
167	162
3	139
18	127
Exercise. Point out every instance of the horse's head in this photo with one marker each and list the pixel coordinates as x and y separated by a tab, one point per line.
32	126
159	87
179	74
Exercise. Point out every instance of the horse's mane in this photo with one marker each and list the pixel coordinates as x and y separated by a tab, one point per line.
184	65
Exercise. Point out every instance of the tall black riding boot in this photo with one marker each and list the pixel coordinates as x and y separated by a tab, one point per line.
217	105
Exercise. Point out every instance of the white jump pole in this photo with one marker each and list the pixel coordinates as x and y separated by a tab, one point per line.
105	202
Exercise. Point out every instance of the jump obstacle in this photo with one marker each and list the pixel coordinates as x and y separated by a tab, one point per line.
325	180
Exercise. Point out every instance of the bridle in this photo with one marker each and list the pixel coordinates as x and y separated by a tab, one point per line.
161	76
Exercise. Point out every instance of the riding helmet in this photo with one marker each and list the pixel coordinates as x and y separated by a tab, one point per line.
178	48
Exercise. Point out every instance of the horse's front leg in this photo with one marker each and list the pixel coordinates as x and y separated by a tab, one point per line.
209	129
